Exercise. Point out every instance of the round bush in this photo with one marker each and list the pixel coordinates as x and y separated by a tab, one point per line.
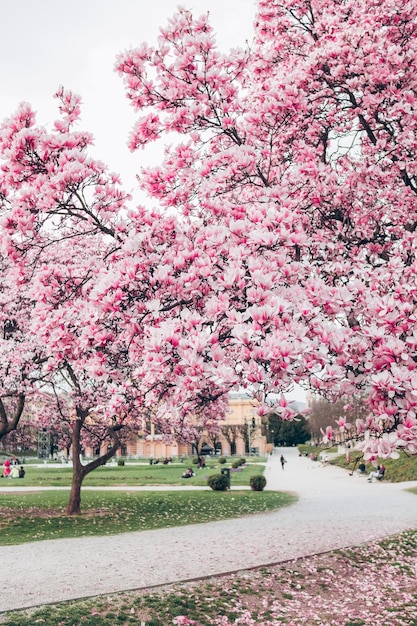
222	460
238	463
195	460
120	462
218	482
257	483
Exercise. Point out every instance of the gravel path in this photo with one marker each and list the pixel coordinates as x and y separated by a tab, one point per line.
334	510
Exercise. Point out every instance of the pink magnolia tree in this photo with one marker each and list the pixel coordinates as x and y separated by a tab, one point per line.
293	173
93	272
61	223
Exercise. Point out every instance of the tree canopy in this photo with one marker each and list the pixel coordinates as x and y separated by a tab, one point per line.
278	244
288	432
295	171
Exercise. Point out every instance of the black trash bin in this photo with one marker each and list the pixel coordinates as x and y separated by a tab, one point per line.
226	472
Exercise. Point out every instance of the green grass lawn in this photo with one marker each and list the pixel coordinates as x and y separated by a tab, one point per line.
40	516
307	449
131	475
397	470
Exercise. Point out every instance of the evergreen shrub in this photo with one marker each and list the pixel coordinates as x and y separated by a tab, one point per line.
257	483
218	482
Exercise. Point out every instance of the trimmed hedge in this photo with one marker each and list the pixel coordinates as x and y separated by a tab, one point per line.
238	463
257	483
218	482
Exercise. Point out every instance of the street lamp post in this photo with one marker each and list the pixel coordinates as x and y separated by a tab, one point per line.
251	428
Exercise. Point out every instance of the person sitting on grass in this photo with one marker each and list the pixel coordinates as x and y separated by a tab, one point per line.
22	472
6	469
378	474
14	472
188	473
361	471
381	472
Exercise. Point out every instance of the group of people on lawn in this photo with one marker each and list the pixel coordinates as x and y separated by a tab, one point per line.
11	469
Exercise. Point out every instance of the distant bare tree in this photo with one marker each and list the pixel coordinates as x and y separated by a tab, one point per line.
324	413
243	431
214	439
230	433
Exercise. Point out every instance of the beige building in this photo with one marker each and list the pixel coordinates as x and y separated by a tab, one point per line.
242	420
240	433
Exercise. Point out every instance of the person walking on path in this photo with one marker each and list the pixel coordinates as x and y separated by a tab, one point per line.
283	461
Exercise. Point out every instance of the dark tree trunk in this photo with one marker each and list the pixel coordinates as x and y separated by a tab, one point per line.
9	424
74	503
80	471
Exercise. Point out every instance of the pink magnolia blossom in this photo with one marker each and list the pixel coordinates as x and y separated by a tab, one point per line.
327	434
182	620
343	424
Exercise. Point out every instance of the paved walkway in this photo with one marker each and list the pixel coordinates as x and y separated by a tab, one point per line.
334	510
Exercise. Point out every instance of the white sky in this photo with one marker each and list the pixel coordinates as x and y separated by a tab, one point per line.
48	43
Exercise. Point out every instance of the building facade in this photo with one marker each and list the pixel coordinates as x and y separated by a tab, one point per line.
241	433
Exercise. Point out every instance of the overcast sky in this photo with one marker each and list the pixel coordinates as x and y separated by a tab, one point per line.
48	43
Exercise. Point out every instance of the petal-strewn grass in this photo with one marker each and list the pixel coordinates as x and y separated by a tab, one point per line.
371	585
39	516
